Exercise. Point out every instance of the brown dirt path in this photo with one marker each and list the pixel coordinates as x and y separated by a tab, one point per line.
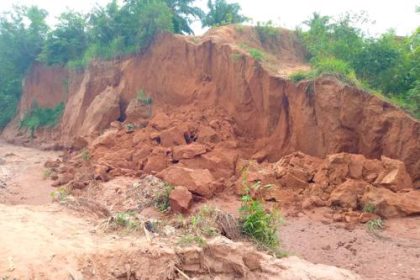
22	175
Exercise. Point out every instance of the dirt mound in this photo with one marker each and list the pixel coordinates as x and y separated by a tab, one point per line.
346	181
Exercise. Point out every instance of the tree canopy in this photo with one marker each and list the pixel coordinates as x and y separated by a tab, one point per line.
222	13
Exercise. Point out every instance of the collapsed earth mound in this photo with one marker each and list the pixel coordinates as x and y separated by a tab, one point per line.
192	109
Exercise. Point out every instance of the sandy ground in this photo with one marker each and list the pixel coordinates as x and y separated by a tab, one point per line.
35	232
391	254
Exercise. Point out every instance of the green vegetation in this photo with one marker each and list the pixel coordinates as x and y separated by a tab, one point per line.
60	194
259	224
375	225
143	98
256	54
162	198
222	13
47	173
266	31
203	223
85	155
190	239
22	32
42	117
126	220
369	208
388	63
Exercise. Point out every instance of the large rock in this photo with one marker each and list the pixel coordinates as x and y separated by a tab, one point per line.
389	204
348	194
197	181
172	137
180	199
188	151
394	176
137	113
104	109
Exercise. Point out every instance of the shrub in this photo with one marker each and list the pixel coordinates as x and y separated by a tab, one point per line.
256	54
299	76
266	31
162	198
42	117
258	224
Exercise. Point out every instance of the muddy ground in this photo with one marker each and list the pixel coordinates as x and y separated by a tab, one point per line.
34	231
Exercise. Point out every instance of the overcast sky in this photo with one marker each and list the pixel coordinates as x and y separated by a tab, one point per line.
387	14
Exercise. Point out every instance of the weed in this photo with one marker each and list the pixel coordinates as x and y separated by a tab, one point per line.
375	225
143	98
189	239
162	198
47	173
266	31
126	220
299	76
85	155
130	127
60	194
256	54
369	208
203	222
258	224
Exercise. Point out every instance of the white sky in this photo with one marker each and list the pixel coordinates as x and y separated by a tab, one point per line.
387	14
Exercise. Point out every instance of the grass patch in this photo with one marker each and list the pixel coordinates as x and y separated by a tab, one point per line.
42	117
143	98
190	239
85	155
328	66
255	53
60	194
47	173
266	31
162	198
298	76
126	220
369	208
204	222
375	225
130	127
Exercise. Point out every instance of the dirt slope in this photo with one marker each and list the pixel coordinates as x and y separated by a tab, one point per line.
213	76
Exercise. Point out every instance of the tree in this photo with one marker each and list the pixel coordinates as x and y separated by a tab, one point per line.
22	33
222	13
68	41
183	14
